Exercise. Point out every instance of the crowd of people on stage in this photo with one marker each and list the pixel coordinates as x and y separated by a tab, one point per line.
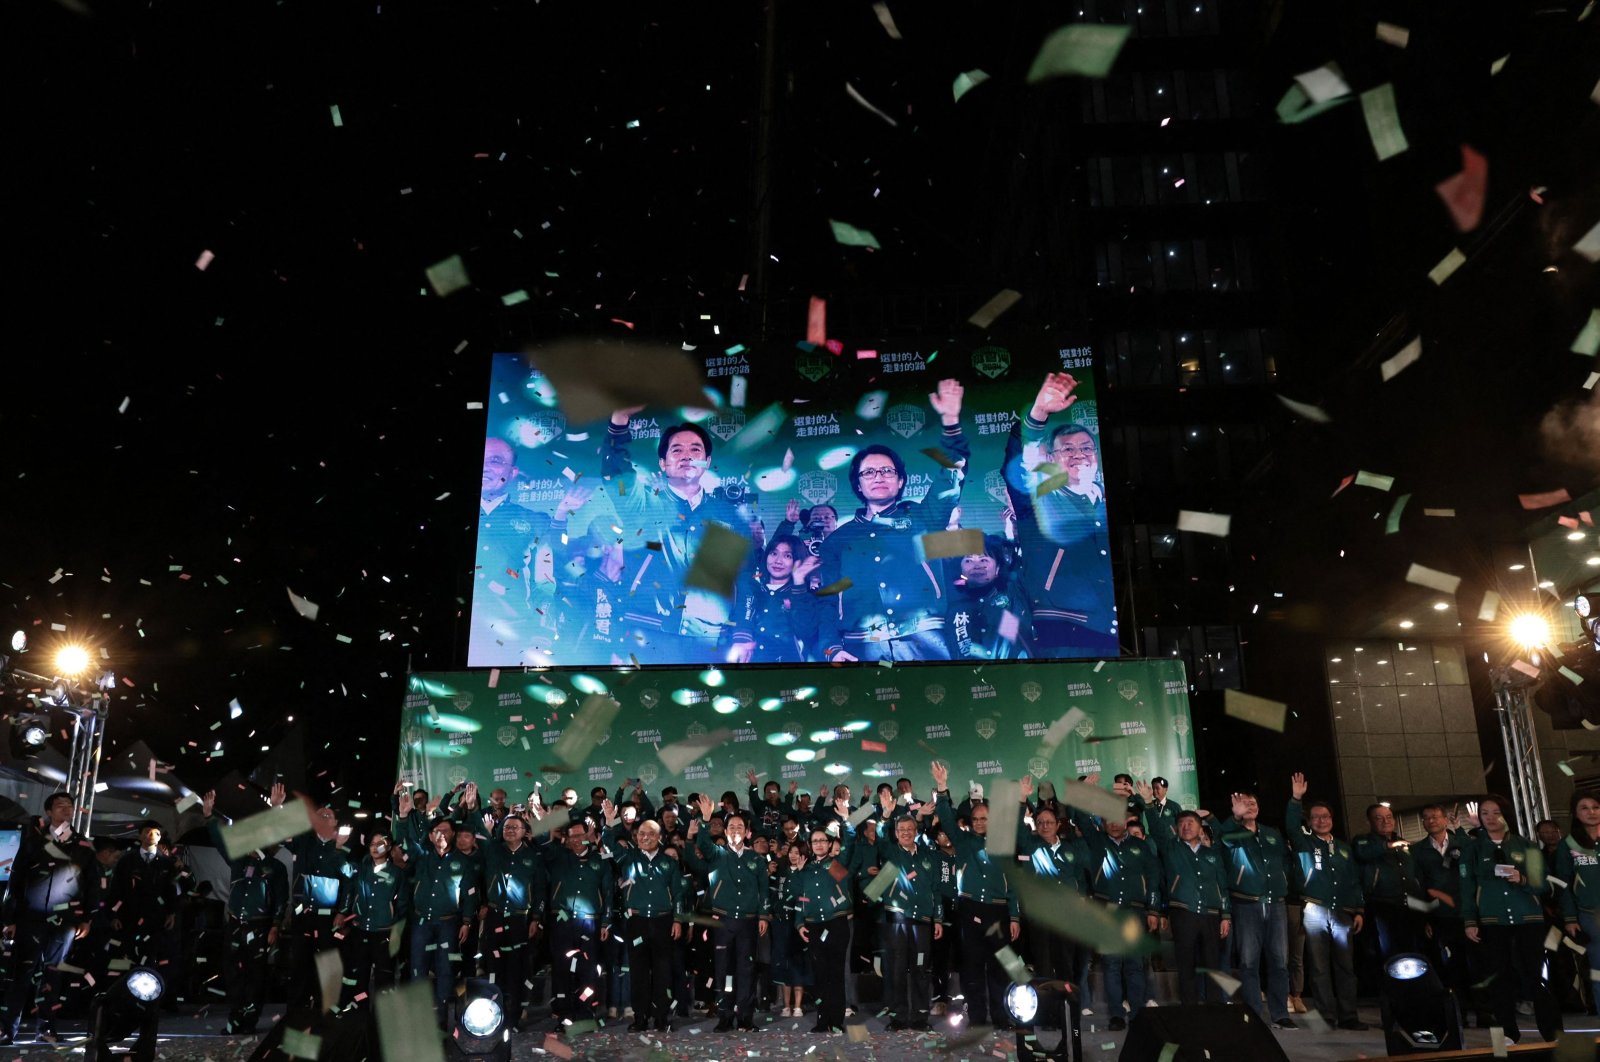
828	584
667	910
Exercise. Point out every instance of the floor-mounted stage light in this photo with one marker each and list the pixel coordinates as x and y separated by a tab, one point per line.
480	1030
1419	1012
30	732
1052	1003
131	1005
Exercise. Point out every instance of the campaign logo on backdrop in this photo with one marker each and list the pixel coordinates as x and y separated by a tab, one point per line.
934	693
905	421
1087	414
1085	727
551	778
1032	691
506	735
994	485
648	773
745	695
555	698
991	361
818	488
1180	725
649	698
889	730
743	770
1128	688
462	700
533	430
986	728
726	424
458	774
839	694
695	729
1137	766
792	731
1038	766
813	365
414	735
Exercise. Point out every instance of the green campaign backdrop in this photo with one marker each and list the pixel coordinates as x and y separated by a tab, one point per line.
811	724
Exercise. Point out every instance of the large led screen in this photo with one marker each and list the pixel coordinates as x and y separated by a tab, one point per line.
906	504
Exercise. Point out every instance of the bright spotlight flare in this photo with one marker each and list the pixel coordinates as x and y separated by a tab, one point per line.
1530	630
71	660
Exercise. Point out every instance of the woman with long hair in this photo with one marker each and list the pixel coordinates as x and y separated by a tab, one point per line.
791	961
1503	880
1578	864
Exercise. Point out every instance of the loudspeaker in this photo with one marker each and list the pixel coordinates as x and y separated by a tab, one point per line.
344	1038
1225	1030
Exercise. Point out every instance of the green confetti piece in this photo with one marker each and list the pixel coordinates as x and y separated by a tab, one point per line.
966	82
1013	965
1383	121
1393	523
1373	479
836	587
406	1032
338	119
298	1043
514	297
1080	48
1053	484
1109	930
1571	675
887	873
990	311
850	236
759	429
581	735
269	827
1566	769
937	545
1295	107
1257	711
718	560
1588	341
448	276
1169	1051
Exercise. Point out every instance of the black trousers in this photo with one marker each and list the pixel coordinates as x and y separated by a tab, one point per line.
508	956
910	948
368	966
249	966
1196	942
42	943
1515	956
734	940
574	973
650	950
308	934
830	950
984	928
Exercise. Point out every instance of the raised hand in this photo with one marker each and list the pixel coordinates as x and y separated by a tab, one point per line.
208	802
1093	779
946	401
574	499
1054	396
791	512
886	802
751	775
1241	805
610	811
705	807
620	417
404	804
278	794
1297	785
794	787
1144	790
941	775
1026	785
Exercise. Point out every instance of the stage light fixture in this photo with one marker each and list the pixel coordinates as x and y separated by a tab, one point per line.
1529	630
71	660
1022	1003
480	1030
132	1004
19	642
1048	1003
1419	1012
30	732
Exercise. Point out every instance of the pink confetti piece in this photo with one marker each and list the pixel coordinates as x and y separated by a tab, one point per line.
1463	194
205	259
1545	500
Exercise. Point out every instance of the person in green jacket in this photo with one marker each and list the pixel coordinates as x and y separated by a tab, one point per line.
1388	882
582	883
1258	887
1058	859
1438	860
320	859
822	914
445	895
1331	887
374	900
913	916
1578	864
1196	890
1125	872
516	884
648	903
258	897
1502	884
986	907
740	905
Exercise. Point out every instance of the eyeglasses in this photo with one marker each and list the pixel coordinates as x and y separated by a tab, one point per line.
878	473
1074	451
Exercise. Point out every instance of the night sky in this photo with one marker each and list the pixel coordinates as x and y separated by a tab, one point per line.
184	445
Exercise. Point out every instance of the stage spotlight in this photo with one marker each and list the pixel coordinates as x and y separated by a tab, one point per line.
1050	1004
19	642
131	1005
1419	1012
30	731
1022	1003
480	1030
1529	630
71	660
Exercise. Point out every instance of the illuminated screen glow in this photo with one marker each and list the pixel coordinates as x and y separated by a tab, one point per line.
588	537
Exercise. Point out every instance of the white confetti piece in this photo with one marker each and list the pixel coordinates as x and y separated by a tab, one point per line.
1589	246
1447	265
859	98
1324	83
1438	512
1375	480
308	609
1389	33
1315	414
1204	523
1403	360
990	311
1443	582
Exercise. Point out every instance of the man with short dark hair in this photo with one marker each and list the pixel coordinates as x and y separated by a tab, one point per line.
582	883
913	917
144	900
986	907
46	901
1196	889
893	607
740	903
1258	885
1388	881
1331	885
666	515
320	868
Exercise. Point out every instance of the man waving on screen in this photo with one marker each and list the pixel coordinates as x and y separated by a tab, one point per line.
893	606
1066	542
663	516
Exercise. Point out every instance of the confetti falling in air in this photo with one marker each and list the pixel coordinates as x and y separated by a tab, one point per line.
1383	121
850	236
1204	523
1407	356
1081	48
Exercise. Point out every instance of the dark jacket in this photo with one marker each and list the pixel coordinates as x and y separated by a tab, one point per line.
51	879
